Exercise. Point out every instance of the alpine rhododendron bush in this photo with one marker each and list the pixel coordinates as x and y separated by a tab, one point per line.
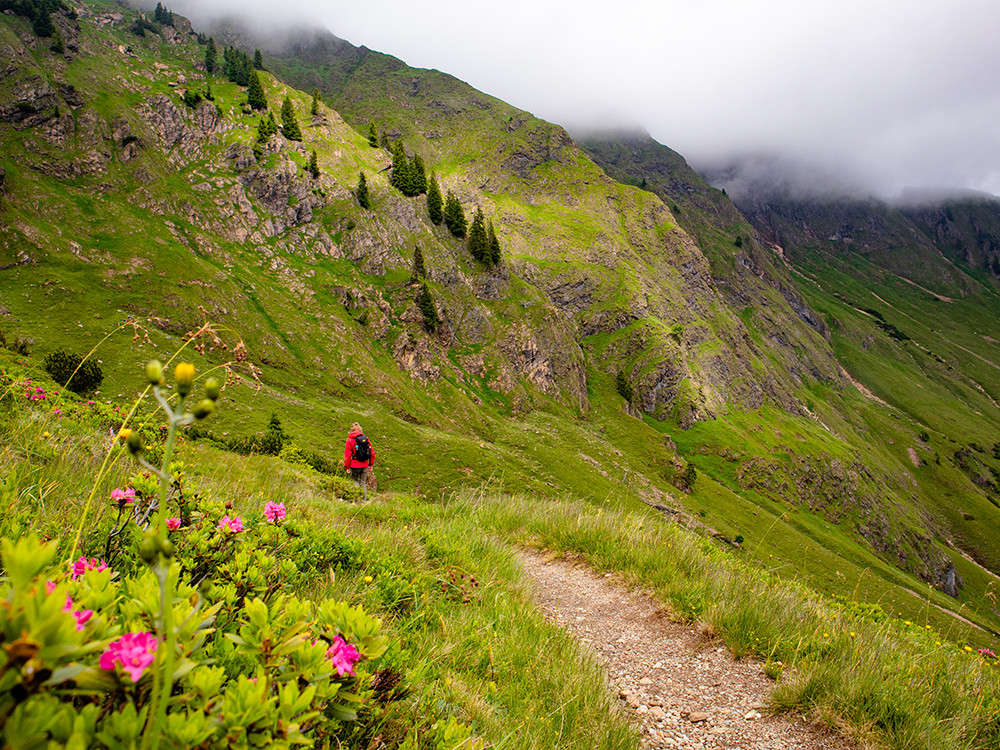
184	632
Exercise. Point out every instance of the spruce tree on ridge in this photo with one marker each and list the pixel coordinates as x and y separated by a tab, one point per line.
479	244
255	92
418	270
434	201
454	217
493	254
211	56
362	192
289	123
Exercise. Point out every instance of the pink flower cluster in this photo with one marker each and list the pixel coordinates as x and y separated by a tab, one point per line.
987	652
36	395
82	616
274	512
343	656
82	565
123	496
234	524
134	651
173	523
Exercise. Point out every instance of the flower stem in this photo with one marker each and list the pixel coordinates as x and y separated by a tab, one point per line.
163	678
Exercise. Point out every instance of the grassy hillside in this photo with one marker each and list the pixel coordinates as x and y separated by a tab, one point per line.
468	660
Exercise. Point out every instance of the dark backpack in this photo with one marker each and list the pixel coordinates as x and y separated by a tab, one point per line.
362	449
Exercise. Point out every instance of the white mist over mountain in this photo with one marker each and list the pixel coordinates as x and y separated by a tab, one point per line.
884	94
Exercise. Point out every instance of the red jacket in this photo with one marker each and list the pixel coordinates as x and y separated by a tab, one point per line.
349	462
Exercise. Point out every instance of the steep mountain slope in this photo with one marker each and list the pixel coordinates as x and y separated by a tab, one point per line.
123	205
555	206
863	266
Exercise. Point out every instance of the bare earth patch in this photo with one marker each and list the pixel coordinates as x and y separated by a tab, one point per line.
685	693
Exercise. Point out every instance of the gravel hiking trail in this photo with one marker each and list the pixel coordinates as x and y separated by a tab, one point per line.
684	692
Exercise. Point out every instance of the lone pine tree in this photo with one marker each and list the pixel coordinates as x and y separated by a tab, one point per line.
289	123
418	271
362	192
426	304
314	165
372	135
314	110
258	60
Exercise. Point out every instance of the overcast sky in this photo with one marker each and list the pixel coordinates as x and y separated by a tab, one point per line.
886	93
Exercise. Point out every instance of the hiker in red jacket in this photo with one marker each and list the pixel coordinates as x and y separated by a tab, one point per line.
358	456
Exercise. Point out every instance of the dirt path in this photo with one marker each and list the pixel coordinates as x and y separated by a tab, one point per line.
685	694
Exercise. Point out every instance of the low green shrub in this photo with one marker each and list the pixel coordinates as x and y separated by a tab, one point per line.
72	371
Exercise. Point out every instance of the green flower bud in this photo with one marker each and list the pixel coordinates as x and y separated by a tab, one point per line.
134	443
167	548
204	408
184	377
212	388
147	548
205	587
154	372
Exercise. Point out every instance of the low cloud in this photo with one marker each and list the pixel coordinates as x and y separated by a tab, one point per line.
885	95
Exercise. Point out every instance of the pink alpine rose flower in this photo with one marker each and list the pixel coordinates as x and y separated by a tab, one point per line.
173	523
123	497
82	616
133	651
234	524
82	565
274	512
343	656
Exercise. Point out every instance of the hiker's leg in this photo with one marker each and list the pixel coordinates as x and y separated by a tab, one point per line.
364	484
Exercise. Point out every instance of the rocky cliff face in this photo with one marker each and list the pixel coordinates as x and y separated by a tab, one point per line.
965	229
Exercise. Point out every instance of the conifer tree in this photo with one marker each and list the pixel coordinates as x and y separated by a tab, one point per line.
479	244
493	257
434	201
362	192
418	271
57	42
289	123
400	177
211	56
314	110
418	176
426	304
454	216
262	130
255	92
42	25
258	60
314	165
372	135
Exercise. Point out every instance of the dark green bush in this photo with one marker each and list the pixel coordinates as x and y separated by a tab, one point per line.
625	389
72	371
